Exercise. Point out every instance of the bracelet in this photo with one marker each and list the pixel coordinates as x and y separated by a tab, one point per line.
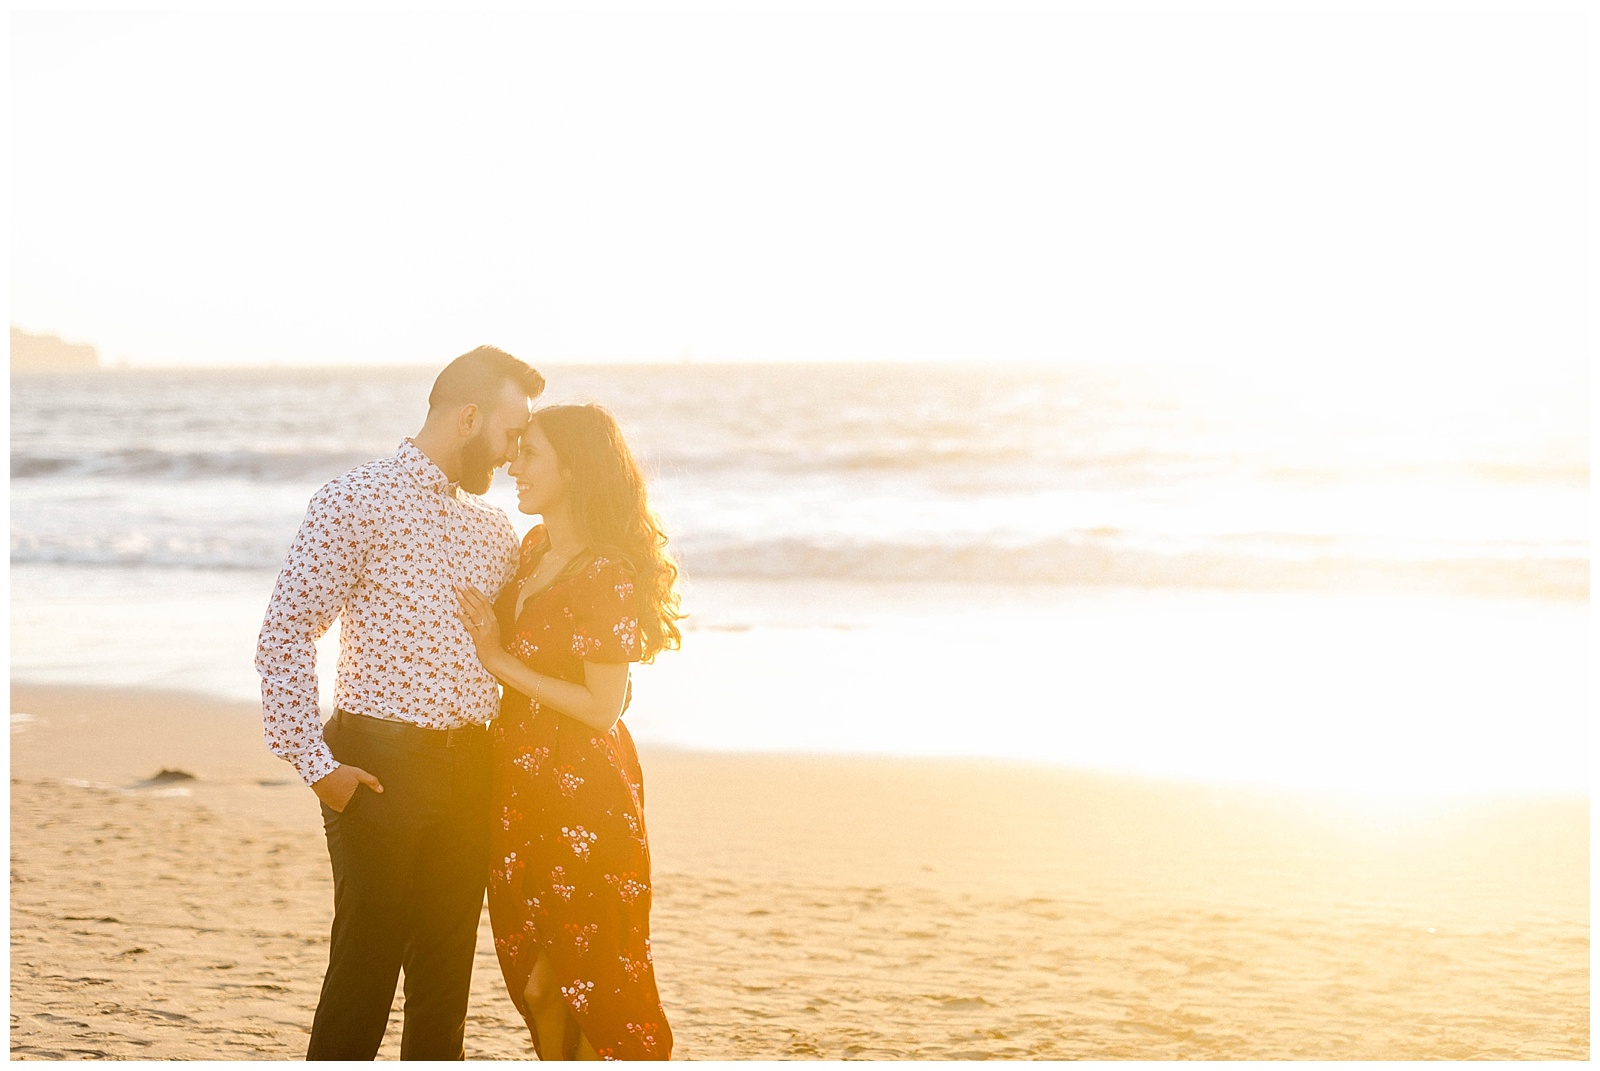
534	694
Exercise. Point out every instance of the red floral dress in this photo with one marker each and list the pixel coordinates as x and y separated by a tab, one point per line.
571	861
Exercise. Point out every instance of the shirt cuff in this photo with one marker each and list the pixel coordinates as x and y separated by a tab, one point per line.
314	765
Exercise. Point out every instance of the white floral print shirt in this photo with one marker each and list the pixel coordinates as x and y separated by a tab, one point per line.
382	548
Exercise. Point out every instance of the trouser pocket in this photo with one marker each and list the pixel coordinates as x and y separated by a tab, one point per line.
352	748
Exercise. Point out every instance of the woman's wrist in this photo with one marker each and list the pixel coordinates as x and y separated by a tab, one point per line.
496	661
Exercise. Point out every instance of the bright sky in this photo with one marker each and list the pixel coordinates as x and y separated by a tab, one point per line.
1249	189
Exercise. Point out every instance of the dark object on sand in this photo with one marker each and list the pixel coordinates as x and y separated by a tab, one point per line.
167	777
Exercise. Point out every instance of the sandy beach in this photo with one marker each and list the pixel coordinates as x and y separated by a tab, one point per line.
811	907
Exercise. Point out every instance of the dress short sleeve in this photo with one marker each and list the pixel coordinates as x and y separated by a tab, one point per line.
606	615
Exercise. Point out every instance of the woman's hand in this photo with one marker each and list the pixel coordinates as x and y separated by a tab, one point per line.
477	616
597	702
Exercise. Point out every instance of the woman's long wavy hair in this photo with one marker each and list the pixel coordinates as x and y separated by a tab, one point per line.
606	492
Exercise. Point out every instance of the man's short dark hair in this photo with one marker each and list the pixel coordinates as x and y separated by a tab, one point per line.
477	378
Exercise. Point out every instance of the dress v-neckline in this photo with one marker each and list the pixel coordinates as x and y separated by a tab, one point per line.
520	603
523	599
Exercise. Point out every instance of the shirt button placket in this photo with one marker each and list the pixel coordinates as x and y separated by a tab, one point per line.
457	570
437	582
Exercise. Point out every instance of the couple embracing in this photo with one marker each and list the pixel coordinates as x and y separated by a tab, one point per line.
476	738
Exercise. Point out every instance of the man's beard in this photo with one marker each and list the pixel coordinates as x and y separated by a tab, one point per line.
477	464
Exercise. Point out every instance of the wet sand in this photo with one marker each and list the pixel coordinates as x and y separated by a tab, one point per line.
825	907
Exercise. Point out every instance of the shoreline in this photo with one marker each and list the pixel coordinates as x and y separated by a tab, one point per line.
1393	695
824	907
129	706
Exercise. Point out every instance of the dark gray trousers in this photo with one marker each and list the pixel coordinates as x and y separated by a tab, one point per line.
409	869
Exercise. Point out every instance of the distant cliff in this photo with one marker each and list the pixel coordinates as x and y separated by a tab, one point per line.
47	353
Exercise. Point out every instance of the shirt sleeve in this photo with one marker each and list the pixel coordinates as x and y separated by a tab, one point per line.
322	567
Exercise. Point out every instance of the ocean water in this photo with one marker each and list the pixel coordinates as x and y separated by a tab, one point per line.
900	473
1379	587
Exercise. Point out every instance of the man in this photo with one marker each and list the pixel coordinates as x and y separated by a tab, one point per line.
402	768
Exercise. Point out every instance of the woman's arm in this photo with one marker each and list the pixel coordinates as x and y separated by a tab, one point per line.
597	702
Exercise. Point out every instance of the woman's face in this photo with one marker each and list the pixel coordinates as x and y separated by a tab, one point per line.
537	471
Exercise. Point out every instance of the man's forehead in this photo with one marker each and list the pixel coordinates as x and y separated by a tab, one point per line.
515	402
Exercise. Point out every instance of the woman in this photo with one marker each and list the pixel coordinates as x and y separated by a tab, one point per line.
569	897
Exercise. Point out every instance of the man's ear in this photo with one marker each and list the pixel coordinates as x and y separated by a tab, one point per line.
467	420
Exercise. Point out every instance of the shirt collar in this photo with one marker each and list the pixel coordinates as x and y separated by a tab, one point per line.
422	469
